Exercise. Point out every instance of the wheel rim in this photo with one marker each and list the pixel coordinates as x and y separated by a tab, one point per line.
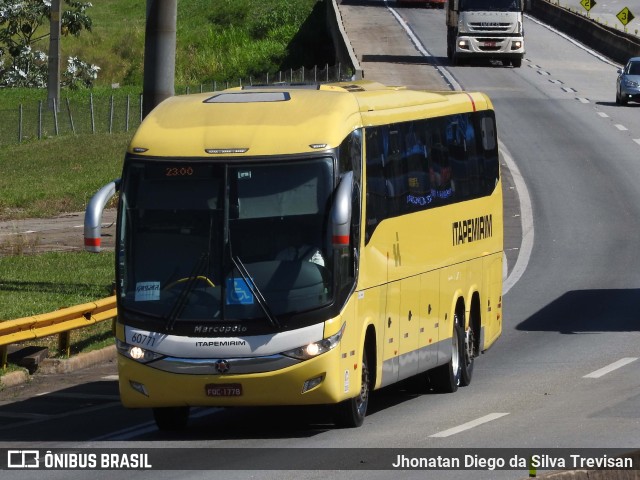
468	346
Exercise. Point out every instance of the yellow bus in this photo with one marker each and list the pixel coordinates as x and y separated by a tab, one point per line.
305	245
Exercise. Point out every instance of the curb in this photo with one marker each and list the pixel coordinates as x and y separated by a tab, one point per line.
57	366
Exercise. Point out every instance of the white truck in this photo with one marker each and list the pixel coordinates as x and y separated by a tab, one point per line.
486	29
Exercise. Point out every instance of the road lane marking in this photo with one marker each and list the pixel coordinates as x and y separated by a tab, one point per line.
622	128
453	83
637	140
526	220
469	425
610	368
603	115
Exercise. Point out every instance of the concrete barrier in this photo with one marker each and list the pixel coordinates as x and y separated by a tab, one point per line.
343	49
613	44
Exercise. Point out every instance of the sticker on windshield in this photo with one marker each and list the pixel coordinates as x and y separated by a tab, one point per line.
238	292
147	291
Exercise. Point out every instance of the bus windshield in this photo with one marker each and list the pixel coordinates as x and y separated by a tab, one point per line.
206	242
491	5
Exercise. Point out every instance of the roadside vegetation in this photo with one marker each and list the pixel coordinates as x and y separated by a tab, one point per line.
217	40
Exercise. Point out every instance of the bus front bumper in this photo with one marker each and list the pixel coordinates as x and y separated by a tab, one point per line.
490	47
312	382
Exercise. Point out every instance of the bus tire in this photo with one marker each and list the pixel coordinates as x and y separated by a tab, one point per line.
350	413
171	419
448	377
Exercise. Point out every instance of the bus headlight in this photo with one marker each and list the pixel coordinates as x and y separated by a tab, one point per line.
135	352
316	348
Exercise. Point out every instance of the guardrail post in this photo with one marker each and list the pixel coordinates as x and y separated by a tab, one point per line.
64	343
3	357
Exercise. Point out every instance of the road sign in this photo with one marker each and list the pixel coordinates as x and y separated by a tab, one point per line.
588	4
625	16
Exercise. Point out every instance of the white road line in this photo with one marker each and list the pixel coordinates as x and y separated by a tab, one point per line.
637	140
583	100
575	42
453	83
610	368
622	128
603	115
469	425
526	221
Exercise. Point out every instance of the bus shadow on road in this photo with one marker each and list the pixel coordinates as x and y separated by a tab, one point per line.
277	422
92	411
588	311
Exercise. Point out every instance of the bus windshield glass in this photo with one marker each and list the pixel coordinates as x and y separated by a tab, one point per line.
491	5
199	241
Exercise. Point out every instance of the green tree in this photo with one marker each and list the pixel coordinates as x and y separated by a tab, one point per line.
22	64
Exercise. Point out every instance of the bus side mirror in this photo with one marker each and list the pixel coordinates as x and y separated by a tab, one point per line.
93	216
341	212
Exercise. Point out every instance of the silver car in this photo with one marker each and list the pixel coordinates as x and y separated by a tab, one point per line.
628	82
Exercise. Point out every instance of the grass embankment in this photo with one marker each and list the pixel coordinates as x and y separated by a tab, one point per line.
46	178
215	40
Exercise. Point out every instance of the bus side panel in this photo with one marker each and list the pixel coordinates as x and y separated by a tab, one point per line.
409	326
453	281
429	319
492	300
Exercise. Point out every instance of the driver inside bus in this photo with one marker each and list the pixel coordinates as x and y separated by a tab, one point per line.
302	253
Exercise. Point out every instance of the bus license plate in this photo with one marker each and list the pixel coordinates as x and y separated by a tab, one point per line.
490	44
223	390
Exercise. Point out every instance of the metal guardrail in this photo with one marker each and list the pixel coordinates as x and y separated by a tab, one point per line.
61	323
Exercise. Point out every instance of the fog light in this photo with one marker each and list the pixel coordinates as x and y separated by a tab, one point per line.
312	383
463	44
136	353
138	387
516	45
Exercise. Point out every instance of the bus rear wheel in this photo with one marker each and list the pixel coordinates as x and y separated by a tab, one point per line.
171	419
350	413
448	377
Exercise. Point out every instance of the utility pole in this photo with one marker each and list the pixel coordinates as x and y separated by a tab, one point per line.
159	53
53	84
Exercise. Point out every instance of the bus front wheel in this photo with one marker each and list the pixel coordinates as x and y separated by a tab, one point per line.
171	419
350	413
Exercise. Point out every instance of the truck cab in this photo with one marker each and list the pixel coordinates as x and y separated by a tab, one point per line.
486	29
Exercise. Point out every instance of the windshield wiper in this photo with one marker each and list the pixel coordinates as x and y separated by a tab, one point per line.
181	302
255	291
